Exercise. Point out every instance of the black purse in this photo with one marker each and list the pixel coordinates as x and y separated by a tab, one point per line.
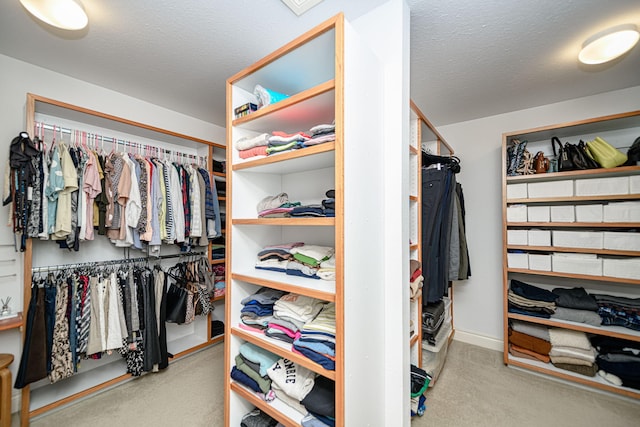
565	159
176	304
589	162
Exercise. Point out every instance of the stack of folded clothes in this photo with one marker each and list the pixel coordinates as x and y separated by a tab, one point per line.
327	270
529	341
276	257
320	134
218	248
522	344
279	206
219	280
433	316
307	260
329	204
290	313
258	309
572	351
415	278
619	311
291	383
252	364
618	360
252	146
280	142
531	300
576	305
317	340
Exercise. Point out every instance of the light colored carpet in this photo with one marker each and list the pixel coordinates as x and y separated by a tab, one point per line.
474	389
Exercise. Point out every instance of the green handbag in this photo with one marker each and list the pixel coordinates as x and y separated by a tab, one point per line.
605	154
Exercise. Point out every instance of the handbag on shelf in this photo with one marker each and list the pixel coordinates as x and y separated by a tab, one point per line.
633	154
565	162
606	154
586	156
572	157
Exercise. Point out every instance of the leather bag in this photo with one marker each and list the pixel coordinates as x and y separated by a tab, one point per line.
606	154
176	304
565	160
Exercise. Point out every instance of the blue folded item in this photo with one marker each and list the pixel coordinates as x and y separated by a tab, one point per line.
532	292
320	359
516	310
267	96
245	379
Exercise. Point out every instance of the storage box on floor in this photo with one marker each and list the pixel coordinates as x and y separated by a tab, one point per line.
434	356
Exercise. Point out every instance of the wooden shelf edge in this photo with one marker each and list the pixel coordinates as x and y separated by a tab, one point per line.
576	327
191	350
216	339
576	250
222	174
293	221
275	158
574	174
413	340
217	261
249	396
582	380
287	103
286	287
576	224
220	298
287	354
413	150
575	276
11	322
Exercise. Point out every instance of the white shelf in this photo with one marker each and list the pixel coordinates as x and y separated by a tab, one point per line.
286	282
281	409
616	331
282	349
315	157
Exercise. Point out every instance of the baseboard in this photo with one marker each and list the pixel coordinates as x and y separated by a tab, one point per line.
479	340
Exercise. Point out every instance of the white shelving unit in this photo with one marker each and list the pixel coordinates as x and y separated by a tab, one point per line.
331	74
619	130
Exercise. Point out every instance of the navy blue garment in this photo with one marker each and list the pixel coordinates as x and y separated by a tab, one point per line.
514	309
50	291
321	399
245	379
532	292
437	187
320	359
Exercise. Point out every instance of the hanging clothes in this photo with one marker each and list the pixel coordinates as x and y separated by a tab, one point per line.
445	255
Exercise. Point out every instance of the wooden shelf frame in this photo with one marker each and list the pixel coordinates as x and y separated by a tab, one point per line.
35	103
613	123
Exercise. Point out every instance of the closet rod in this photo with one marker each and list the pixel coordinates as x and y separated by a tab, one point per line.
115	141
113	262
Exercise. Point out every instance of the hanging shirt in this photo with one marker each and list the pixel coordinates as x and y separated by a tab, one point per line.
54	187
70	177
177	207
194	194
92	188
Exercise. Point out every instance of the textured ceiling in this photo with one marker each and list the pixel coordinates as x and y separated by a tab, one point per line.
469	58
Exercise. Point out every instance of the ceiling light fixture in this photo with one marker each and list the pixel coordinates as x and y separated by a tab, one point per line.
65	14
609	44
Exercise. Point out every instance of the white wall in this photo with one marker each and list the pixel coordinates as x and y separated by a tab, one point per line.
17	79
478	301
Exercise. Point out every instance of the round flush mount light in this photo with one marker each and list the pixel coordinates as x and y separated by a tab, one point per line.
65	14
609	44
